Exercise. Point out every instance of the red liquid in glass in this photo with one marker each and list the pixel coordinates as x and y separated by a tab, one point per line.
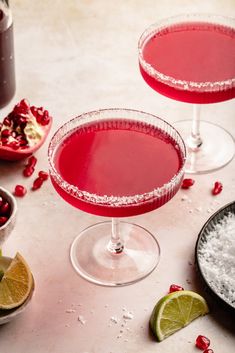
197	52
120	158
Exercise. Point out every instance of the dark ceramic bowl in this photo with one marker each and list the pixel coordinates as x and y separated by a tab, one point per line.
202	244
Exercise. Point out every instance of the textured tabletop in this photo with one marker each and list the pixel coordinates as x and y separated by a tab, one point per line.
77	56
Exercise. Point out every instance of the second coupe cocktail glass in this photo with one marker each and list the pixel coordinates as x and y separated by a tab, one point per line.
191	58
116	163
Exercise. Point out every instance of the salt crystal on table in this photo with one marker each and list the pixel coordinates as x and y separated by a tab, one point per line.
128	316
69	311
114	319
81	319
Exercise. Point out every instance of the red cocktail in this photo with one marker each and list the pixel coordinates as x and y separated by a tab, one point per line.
116	163
191	58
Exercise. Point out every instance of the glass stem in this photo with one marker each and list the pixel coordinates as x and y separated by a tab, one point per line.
194	141
115	245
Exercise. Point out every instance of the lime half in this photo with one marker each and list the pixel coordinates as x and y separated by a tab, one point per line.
176	310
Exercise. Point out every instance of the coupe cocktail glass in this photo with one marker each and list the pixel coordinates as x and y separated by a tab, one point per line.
191	58
116	163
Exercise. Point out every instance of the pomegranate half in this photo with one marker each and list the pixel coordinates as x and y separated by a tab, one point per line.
23	131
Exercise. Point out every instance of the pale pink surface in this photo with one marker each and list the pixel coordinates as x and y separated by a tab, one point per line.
70	75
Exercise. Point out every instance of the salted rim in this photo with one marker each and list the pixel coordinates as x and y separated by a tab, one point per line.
201	86
211	222
121	113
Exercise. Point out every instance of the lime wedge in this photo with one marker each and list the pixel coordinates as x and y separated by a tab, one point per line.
175	311
16	283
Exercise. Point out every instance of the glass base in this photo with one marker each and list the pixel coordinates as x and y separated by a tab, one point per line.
215	152
93	260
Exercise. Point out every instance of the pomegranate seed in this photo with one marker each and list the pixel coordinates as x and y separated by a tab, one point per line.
45	119
187	183
7	122
5	208
28	171
37	183
5	133
4	140
23	143
22	120
175	288
43	175
202	342
1	201
22	107
3	220
33	110
24	104
208	351
20	191
39	116
32	161
218	187
14	145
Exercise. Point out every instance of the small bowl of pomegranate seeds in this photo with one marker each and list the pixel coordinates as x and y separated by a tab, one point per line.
8	209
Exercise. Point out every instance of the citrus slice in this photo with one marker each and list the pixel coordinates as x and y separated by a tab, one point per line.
175	311
16	283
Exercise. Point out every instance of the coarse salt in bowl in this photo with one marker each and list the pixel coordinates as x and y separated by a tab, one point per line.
215	254
8	226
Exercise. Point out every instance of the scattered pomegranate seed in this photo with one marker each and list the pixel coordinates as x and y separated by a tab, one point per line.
3	220
32	161
175	288
1	201
208	351
202	342
20	191
187	183
28	171
37	183
43	175
218	187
